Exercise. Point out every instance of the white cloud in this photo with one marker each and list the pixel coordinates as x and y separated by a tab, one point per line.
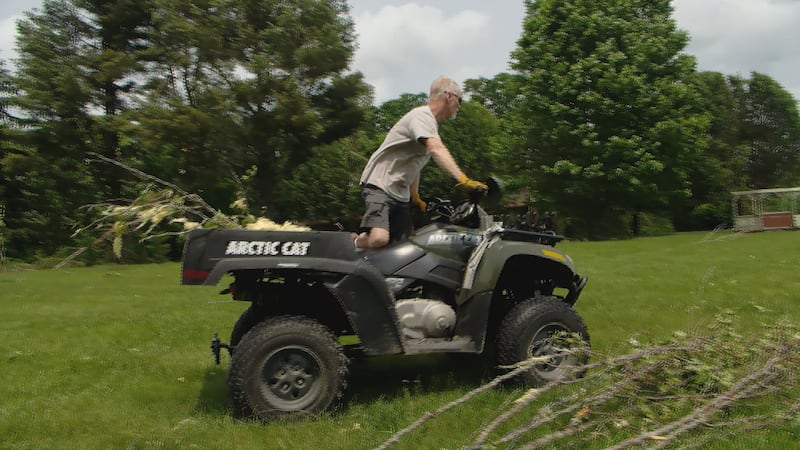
401	45
737	37
8	32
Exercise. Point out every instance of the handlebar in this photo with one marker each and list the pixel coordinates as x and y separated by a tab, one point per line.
477	195
438	207
466	213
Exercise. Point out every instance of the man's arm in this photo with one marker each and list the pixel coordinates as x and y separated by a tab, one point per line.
442	157
415	187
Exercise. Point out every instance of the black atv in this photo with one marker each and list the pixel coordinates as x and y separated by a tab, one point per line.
457	285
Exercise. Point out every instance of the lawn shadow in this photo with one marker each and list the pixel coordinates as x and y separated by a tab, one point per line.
388	377
214	398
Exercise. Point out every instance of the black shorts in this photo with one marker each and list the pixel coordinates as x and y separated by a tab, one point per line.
385	212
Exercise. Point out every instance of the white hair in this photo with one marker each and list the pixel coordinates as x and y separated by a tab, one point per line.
444	84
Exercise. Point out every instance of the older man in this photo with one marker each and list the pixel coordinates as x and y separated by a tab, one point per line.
390	181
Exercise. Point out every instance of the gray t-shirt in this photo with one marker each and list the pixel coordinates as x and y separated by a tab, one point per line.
398	161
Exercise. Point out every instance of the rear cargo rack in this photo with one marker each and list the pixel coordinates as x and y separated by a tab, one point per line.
530	236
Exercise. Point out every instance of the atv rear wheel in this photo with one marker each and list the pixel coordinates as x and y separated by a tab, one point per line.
287	367
527	331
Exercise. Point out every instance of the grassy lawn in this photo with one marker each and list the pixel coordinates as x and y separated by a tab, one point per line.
118	356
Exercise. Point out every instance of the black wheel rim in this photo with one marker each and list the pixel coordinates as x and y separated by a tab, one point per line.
542	344
290	378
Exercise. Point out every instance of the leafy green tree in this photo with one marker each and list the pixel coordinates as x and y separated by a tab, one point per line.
77	68
720	168
609	131
191	91
770	129
113	54
47	179
752	144
325	190
6	91
243	83
500	94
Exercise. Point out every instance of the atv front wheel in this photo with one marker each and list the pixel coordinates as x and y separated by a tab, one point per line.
287	367
527	331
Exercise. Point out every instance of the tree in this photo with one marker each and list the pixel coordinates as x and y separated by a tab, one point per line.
770	129
194	92
325	189
113	53
44	171
500	94
6	91
609	129
245	83
753	129
720	168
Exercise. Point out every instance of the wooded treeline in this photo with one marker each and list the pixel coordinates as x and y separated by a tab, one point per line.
602	118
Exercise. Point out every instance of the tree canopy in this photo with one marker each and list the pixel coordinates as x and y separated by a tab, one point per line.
610	112
603	119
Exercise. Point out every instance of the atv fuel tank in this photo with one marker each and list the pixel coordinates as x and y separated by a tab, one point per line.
392	258
450	241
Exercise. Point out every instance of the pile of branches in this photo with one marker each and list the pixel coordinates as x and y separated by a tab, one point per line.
163	209
650	396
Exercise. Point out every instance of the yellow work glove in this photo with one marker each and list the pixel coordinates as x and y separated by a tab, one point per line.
469	186
419	203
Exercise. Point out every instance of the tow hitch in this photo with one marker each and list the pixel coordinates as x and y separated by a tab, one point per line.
217	346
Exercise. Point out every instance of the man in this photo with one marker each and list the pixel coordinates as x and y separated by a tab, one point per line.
390	181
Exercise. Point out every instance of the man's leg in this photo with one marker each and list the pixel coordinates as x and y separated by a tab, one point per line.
374	229
399	221
375	238
399	224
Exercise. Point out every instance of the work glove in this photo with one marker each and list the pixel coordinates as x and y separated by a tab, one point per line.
419	203
471	186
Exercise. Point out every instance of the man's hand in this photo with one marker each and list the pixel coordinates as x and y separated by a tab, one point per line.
419	203
470	186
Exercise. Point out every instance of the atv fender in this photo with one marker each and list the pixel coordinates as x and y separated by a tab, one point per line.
361	293
544	260
370	309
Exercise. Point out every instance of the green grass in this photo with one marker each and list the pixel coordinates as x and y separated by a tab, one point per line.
118	356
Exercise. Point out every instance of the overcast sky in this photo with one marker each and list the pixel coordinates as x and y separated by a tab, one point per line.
404	45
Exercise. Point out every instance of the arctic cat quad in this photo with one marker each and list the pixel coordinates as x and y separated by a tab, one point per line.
463	284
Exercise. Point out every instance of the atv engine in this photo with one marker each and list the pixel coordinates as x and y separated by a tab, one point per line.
423	318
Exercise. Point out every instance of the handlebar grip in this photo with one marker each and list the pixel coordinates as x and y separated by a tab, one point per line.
476	195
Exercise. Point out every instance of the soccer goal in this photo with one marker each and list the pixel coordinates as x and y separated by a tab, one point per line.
766	209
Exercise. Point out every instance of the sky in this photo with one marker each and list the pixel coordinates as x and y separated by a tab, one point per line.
404	45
